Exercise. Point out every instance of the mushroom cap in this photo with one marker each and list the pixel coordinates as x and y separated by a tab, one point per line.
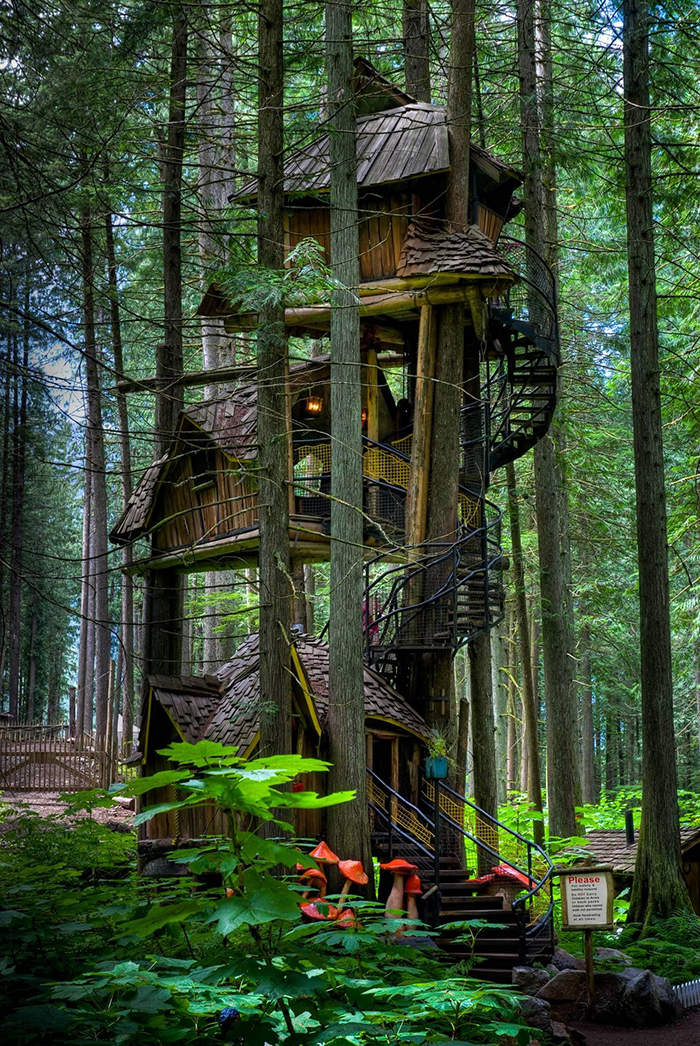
312	910
312	874
323	852
347	918
353	871
412	886
399	867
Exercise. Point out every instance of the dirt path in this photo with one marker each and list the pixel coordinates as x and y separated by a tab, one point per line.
685	1032
48	804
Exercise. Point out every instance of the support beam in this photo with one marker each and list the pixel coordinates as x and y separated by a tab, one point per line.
417	498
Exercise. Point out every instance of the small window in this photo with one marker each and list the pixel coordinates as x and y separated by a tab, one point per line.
204	468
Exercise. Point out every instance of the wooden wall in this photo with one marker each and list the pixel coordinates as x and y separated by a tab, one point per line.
383	223
197	509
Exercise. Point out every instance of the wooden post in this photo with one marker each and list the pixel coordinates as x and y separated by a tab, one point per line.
417	498
372	396
71	711
590	976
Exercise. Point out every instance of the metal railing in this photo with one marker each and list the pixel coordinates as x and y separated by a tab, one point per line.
533	300
460	827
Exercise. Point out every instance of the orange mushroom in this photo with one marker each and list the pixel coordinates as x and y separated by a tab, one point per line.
314	879
400	869
324	855
352	872
412	889
312	911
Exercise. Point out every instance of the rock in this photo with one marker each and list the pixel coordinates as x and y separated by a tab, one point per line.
567	986
563	960
535	1012
126	802
631	998
612	955
648	1000
560	1033
529	979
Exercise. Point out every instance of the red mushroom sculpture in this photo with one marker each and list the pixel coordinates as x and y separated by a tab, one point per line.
400	869
314	879
352	872
324	855
315	912
412	890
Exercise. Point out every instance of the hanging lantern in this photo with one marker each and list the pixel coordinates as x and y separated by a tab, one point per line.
314	405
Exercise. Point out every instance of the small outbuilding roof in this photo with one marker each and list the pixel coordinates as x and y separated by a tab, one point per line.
429	248
609	846
225	707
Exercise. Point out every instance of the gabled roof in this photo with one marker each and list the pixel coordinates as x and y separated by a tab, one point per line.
609	846
230	420
225	707
395	145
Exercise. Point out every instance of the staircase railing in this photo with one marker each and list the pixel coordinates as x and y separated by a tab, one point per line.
533	299
464	828
486	839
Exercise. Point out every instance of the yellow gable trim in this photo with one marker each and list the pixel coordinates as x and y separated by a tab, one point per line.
306	688
402	726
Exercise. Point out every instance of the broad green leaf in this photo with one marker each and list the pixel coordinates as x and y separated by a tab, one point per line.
150	999
146	784
266	901
203	753
313	801
268	850
161	916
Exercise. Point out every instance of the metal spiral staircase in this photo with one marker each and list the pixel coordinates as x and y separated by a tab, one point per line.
444	594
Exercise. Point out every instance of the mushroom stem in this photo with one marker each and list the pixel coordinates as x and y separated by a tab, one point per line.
395	898
412	907
346	888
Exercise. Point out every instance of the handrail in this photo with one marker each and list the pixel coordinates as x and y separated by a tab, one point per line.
530	843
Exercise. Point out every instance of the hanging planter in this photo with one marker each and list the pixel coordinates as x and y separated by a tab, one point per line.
436	767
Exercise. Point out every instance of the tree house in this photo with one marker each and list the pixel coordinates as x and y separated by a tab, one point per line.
198	503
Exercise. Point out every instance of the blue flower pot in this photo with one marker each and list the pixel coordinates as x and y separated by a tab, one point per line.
436	767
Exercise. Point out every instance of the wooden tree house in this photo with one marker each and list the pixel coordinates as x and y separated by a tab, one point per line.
197	505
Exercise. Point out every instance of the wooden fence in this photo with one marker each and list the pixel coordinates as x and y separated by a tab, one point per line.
47	759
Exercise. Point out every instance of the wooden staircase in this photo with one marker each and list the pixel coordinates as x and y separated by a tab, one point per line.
511	934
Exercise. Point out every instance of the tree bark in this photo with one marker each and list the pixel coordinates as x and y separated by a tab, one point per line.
500	713
348	824
169	360
658	889
416	42
126	631
587	733
530	716
31	670
562	745
483	739
98	483
19	449
273	436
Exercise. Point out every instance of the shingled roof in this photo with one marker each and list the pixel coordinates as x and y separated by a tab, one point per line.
429	248
134	519
395	145
609	846
225	707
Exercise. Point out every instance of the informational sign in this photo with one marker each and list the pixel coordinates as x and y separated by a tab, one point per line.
587	897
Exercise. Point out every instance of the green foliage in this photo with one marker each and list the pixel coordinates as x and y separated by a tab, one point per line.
90	959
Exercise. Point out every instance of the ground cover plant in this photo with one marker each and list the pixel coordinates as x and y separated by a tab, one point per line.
91	954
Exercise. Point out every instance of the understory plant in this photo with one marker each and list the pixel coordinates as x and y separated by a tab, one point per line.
221	953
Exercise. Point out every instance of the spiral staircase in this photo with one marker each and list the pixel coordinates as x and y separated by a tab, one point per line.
444	594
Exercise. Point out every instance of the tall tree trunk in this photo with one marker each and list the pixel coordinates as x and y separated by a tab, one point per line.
273	435
5	486
530	716
587	751
98	483
19	447
416	43
348	824
86	623
499	708
658	888
483	740
126	632
31	670
163	601
169	359
562	744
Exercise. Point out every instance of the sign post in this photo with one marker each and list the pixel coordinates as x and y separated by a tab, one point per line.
587	905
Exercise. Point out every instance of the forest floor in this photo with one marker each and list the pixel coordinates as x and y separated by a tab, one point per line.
685	1032
48	804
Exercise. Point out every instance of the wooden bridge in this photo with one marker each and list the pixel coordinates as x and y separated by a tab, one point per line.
38	758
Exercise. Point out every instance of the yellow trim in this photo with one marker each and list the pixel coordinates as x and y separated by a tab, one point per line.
148	723
174	722
401	726
306	688
252	746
